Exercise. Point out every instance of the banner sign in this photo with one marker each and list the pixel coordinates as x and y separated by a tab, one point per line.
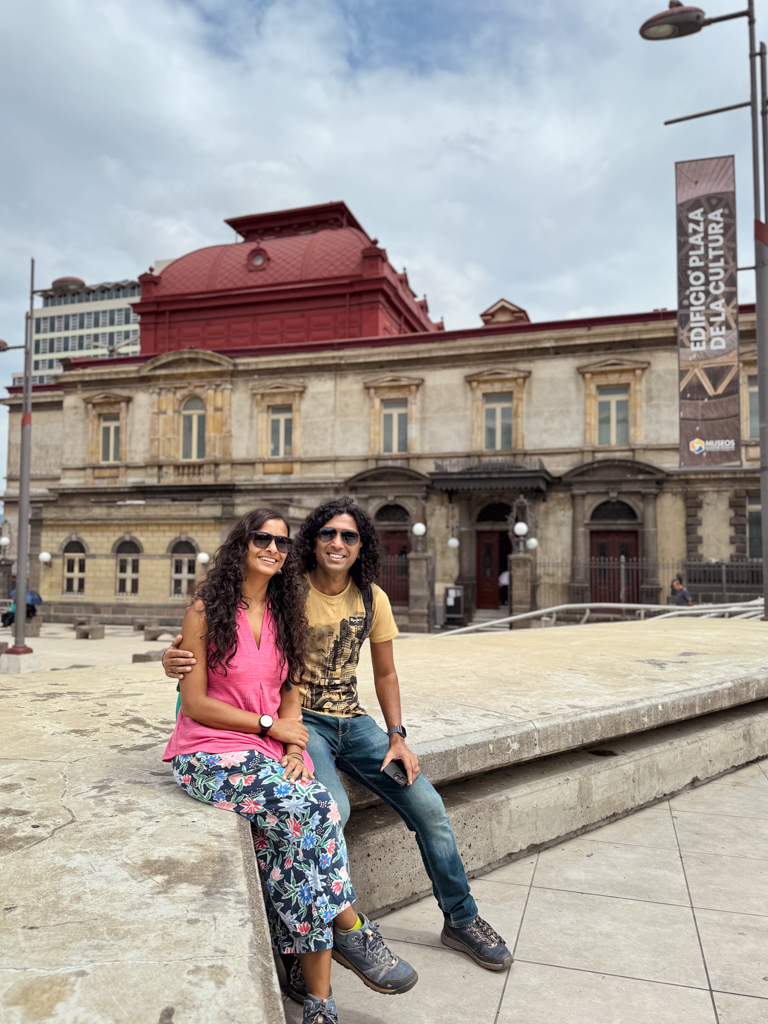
707	314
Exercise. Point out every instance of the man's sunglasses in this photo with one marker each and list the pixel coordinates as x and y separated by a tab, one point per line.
262	539
326	533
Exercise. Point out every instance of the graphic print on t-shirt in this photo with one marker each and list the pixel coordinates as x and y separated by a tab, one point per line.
334	691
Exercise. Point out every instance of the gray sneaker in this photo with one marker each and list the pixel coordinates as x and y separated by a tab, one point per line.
367	954
481	942
319	1011
297	986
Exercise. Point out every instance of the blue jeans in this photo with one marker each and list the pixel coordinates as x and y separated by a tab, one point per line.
357	746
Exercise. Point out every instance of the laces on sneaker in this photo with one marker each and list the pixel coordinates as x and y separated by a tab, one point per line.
484	933
376	948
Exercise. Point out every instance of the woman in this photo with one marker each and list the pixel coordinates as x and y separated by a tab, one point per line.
239	744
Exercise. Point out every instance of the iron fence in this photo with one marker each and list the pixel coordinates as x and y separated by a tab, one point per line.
393	578
629	580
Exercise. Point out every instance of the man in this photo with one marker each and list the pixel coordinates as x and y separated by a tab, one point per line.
337	550
680	591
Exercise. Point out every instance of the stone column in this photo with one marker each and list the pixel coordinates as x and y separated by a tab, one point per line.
467	556
650	588
520	586
421	600
578	589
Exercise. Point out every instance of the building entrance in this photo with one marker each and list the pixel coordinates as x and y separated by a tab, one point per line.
492	551
608	575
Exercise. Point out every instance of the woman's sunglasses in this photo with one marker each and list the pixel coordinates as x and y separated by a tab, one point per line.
262	539
326	533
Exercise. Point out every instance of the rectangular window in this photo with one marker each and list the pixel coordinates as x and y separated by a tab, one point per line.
183	578
754	528
74	574
394	425
613	416
280	431
498	422
110	437
754	408
127	575
81	321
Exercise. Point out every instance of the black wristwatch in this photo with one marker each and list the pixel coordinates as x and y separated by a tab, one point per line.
399	729
265	724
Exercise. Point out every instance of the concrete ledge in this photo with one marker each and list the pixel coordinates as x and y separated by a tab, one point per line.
514	810
124	900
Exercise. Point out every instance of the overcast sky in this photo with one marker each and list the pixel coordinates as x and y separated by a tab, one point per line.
494	147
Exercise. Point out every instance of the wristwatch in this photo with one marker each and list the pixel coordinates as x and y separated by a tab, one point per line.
399	729
265	723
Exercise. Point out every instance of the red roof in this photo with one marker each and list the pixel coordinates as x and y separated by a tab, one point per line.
323	255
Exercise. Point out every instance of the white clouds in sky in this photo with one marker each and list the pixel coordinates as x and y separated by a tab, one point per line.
495	147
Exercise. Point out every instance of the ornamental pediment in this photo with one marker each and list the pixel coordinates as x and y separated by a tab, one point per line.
614	366
496	374
188	360
277	388
393	381
106	398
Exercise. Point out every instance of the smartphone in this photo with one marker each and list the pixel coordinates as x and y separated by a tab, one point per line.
396	770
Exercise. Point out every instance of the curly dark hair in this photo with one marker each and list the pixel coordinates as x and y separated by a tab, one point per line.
366	567
221	594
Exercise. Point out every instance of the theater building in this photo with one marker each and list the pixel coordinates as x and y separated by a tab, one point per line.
297	363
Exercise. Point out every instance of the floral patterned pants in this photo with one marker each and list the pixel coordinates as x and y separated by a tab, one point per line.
297	837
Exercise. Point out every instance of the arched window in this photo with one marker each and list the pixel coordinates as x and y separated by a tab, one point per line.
183	555
613	511
127	567
390	514
193	429
497	512
74	567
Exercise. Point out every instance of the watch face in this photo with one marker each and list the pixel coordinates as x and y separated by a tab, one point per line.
266	721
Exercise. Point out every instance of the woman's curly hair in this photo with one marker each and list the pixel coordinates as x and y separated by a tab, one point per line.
221	593
366	567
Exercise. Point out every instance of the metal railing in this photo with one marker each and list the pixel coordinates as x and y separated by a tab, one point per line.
736	610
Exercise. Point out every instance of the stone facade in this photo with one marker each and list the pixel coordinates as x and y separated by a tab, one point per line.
456	429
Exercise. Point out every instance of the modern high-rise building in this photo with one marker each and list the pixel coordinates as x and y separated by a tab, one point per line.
79	319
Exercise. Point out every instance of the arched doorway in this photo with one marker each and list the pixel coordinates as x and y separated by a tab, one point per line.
613	551
493	549
393	525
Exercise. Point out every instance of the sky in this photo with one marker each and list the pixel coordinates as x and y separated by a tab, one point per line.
496	148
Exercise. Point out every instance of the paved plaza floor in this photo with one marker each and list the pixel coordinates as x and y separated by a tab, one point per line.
58	649
659	918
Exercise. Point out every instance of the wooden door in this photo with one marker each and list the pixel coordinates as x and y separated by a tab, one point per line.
606	550
488	570
393	580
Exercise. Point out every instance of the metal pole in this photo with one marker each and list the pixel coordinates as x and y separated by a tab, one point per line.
623	579
22	556
761	296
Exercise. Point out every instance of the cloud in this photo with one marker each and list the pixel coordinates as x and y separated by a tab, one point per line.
494	147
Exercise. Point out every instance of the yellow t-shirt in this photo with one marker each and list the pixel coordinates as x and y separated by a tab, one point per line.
328	683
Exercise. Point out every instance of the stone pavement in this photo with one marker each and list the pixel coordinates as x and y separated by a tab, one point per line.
57	648
659	918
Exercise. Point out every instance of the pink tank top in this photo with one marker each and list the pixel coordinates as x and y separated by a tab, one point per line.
252	683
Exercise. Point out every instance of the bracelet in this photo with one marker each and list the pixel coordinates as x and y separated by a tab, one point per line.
295	753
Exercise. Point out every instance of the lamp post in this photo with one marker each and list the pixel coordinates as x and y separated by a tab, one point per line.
19	657
680	21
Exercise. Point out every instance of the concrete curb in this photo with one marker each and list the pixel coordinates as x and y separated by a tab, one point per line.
450	759
510	812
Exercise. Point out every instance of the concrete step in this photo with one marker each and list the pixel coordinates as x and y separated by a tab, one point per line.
508	813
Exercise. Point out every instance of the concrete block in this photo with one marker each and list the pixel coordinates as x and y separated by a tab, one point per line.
141	656
32	626
155	632
89	632
526	807
4	645
15	664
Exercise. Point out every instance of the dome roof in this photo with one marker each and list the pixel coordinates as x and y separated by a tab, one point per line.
318	256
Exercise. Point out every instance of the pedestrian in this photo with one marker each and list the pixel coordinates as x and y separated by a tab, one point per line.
680	591
337	556
8	617
504	588
239	744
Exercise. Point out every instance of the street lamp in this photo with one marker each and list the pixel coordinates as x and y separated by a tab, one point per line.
682	21
20	657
